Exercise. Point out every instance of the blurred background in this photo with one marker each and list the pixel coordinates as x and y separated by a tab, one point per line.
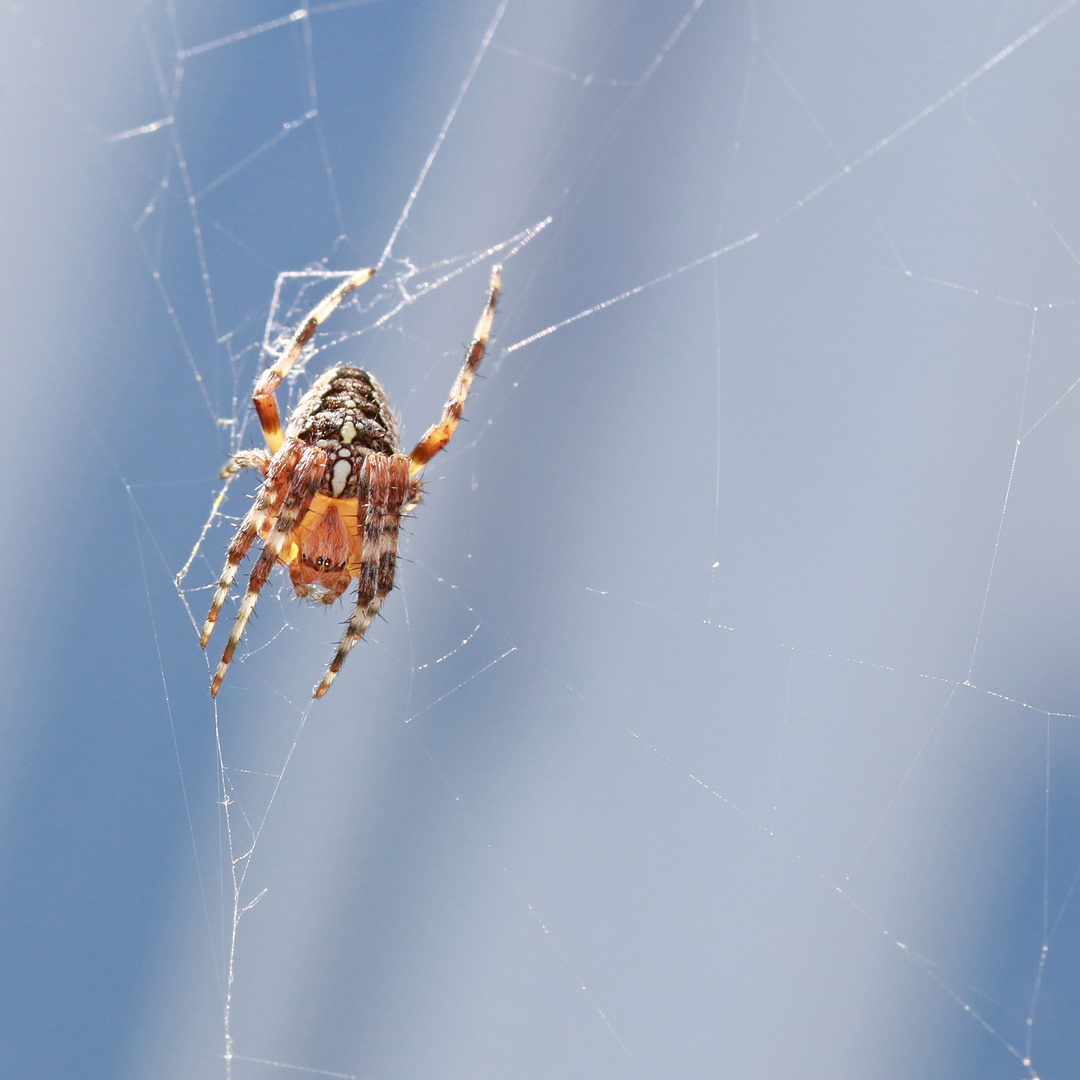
724	723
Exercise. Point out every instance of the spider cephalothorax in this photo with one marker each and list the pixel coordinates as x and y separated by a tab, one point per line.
335	484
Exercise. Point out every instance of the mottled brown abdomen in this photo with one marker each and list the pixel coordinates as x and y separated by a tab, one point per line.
346	415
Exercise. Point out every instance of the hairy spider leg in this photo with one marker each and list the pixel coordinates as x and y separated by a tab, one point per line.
259	519
384	489
247	459
266	405
438	435
300	490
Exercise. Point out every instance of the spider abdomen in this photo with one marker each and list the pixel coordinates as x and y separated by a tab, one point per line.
346	415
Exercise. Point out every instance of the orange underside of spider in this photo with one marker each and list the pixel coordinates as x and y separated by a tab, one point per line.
330	530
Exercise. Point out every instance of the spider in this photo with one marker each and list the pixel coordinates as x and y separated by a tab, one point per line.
335	484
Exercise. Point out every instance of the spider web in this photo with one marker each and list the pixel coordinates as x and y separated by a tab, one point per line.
725	721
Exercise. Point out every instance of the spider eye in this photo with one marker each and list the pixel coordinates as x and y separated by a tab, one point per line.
321	563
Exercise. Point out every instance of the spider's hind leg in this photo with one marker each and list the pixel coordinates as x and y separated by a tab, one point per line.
265	403
438	435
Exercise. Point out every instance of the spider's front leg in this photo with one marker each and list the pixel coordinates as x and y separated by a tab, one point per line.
261	517
385	487
292	497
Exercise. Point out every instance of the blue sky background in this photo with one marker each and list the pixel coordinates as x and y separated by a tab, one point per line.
725	721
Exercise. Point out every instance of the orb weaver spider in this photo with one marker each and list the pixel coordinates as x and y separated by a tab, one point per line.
335	484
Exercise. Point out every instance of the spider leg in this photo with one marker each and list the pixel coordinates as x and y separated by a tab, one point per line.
260	518
294	501
265	403
413	496
333	595
247	459
384	486
438	435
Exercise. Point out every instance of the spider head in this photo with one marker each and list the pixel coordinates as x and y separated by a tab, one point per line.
324	546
